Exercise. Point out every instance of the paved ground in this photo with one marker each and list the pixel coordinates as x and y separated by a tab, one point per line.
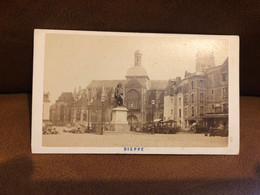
135	139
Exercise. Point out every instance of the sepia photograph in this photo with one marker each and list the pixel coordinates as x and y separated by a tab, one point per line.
140	93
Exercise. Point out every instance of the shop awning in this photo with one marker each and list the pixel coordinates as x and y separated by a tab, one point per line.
215	116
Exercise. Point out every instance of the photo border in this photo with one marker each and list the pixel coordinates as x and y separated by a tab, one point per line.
37	99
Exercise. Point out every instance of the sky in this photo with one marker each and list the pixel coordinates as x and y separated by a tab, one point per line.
74	60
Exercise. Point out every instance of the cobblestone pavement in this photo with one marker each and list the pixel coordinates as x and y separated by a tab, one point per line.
135	139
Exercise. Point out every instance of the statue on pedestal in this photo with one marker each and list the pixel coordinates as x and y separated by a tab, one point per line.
119	94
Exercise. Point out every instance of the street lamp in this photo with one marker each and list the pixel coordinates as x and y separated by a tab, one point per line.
89	104
153	103
102	114
131	105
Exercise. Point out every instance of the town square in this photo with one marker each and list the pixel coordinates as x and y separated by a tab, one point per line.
137	110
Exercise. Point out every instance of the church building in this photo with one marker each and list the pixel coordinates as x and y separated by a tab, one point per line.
143	97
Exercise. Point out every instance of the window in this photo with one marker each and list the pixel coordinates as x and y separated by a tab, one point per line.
185	88
225	108
201	110
212	107
171	100
224	77
192	98
192	85
171	111
225	90
192	111
179	101
185	112
179	113
133	97
201	83
212	91
185	100
201	97
225	93
85	116
78	116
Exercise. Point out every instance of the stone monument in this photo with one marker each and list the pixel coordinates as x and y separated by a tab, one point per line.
119	113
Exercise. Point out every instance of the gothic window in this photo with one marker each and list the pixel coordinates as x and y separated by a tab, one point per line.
62	110
133	97
161	100
69	115
192	85
192	98
151	97
93	116
78	116
85	116
179	113
52	115
99	94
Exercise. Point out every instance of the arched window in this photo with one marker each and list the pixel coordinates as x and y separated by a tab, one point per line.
133	97
132	119
85	116
78	116
93	116
62	112
69	115
152	96
99	93
161	100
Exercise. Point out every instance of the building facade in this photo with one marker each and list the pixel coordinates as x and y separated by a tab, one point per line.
201	97
144	99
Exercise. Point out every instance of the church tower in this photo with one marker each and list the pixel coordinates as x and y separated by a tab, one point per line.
137	71
136	85
138	58
204	60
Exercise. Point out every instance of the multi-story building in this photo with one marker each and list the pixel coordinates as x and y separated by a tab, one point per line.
217	95
201	97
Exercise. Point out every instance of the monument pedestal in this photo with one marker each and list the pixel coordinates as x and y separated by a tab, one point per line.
119	119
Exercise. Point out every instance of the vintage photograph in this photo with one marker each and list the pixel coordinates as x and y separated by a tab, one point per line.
135	92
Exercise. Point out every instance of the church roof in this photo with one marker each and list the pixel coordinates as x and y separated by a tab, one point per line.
67	96
136	71
105	83
158	84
